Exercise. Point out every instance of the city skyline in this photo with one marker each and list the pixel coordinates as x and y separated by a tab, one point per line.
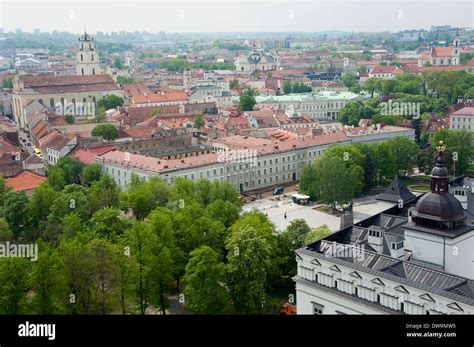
225	17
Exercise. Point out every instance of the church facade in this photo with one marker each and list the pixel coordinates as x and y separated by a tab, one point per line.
76	94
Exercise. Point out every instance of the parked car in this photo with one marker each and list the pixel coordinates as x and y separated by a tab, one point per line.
278	191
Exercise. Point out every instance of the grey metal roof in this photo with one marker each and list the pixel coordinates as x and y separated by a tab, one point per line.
433	281
396	191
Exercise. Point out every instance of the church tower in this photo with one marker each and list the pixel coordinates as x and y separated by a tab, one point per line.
87	57
456	50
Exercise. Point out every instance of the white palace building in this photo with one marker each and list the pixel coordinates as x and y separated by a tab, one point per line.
412	259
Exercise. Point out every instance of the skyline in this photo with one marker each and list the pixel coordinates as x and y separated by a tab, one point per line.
226	17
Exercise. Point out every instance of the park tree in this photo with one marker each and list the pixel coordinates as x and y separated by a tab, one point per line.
404	151
103	193
224	211
91	173
15	207
5	233
47	280
459	150
332	181
14	283
107	223
39	208
205	291
142	240
297	231
249	254
317	234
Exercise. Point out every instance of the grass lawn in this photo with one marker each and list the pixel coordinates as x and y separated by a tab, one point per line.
420	188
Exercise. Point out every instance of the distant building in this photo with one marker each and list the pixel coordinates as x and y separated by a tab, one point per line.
462	119
442	56
385	72
75	95
257	60
322	105
25	181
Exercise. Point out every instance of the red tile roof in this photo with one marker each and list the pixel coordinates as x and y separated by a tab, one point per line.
73	83
465	111
142	94
388	69
25	180
442	52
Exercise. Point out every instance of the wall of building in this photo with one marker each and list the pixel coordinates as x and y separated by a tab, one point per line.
387	292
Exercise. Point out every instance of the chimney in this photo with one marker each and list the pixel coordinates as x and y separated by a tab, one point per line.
376	238
397	247
347	218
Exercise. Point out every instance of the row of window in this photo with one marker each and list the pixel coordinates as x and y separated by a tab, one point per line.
362	292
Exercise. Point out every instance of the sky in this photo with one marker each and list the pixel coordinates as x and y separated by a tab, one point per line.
233	15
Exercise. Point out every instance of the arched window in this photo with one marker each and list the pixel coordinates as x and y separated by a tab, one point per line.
93	71
82	71
92	57
51	102
82	57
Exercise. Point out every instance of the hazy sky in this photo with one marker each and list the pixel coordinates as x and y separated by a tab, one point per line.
232	15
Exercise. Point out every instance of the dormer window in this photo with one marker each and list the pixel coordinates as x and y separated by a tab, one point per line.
374	233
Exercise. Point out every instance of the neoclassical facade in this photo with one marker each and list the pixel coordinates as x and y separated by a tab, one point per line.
392	264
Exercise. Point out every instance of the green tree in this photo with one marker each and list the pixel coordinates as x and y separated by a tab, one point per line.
205	291
15	207
110	101
14	283
247	100
70	119
103	193
332	181
5	233
108	223
404	151
91	173
47	280
317	234
297	231
107	131
349	79
234	84
39	208
198	121
249	254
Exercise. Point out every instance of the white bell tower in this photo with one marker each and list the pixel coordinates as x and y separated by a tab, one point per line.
87	57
